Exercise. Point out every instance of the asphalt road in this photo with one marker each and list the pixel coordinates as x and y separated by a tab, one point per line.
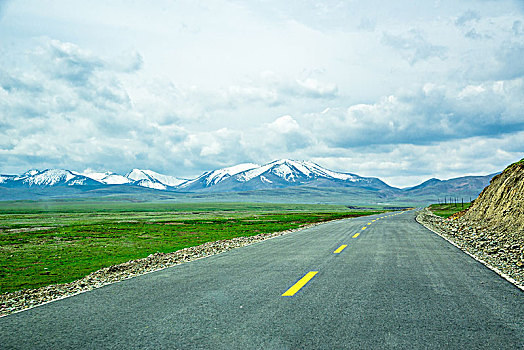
395	285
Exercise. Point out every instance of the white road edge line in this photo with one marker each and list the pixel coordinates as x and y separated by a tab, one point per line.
492	268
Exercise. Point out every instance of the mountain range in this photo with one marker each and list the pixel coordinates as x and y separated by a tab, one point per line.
248	179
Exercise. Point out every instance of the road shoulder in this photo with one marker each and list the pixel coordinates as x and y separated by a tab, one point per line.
445	229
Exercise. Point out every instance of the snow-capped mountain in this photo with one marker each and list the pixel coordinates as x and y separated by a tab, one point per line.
6	178
60	177
211	178
294	171
278	174
151	179
47	178
107	178
242	177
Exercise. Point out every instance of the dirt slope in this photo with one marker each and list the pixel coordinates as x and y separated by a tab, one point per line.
494	223
500	206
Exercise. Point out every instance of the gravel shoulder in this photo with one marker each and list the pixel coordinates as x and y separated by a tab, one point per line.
481	243
28	298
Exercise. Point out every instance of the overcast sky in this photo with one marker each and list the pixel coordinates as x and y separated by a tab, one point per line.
401	90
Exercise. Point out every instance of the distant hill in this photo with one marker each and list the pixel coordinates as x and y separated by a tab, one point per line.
467	186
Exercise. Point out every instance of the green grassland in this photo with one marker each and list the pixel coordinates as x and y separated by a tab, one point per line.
44	243
446	210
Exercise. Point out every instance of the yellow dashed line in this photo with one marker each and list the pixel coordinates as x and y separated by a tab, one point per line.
301	283
356	235
340	249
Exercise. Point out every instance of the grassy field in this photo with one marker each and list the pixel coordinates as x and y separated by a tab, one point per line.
446	210
43	243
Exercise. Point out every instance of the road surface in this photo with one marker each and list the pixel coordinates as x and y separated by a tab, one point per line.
374	282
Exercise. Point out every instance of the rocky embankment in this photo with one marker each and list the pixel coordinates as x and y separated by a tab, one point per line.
27	298
487	245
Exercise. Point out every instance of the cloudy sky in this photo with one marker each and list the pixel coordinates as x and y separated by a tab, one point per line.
402	90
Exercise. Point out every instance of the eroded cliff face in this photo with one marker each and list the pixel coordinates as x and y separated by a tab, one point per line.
500	206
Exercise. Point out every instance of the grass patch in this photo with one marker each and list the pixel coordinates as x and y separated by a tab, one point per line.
446	210
59	242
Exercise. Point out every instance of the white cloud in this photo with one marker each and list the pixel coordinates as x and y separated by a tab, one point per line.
67	61
315	88
431	115
284	124
467	17
471	90
414	47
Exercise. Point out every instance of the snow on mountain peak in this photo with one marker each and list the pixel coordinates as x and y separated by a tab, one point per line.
217	176
291	170
137	174
151	184
153	177
49	177
323	172
31	172
281	172
141	177
94	175
233	170
284	171
108	177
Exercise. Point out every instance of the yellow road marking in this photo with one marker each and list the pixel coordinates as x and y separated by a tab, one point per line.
356	235
340	249
369	223
365	227
301	283
373	220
